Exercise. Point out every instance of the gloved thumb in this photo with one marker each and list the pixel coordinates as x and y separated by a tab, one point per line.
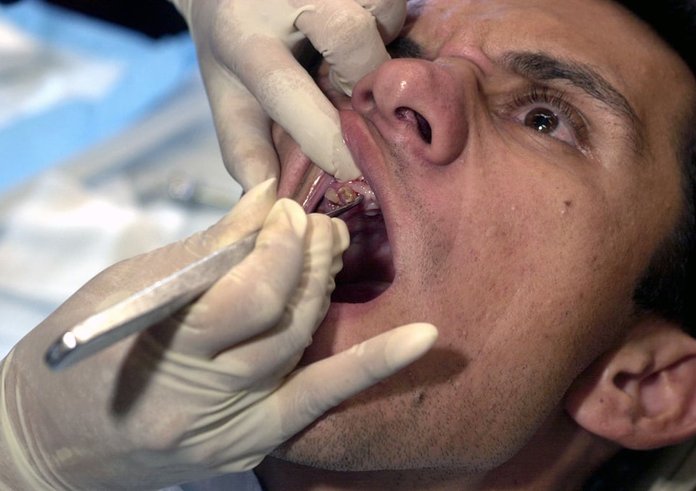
314	389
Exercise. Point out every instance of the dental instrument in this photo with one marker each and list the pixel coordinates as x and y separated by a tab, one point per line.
152	304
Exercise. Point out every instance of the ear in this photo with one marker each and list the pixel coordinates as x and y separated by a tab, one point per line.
641	395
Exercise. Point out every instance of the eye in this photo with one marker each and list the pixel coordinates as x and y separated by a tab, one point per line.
541	119
548	113
549	122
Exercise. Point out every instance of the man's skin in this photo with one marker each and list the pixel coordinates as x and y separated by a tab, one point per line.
522	246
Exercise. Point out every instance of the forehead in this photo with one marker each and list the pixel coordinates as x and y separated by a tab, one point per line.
596	29
597	33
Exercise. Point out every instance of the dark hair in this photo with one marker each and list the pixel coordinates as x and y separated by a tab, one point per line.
669	286
669	289
673	20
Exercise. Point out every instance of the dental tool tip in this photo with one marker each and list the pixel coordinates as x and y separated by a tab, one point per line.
342	209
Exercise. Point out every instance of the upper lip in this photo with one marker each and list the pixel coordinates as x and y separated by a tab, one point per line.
364	144
368	157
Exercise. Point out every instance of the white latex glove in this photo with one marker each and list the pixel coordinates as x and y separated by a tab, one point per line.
246	51
208	391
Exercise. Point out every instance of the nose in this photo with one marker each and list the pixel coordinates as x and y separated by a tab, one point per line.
418	105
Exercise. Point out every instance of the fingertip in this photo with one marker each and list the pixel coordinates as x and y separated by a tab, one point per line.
344	168
288	212
408	343
390	16
340	83
249	173
265	190
359	367
341	235
256	201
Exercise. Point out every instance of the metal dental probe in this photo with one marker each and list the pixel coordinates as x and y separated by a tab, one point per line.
153	303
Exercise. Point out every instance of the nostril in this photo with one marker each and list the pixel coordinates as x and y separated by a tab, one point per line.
424	129
402	113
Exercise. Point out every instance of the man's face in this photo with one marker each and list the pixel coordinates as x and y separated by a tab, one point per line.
525	168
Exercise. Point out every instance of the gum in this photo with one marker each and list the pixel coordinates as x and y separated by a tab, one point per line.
340	193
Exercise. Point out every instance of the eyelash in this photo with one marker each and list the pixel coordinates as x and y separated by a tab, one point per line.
556	99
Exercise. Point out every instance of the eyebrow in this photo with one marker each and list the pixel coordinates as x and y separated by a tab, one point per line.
405	47
541	67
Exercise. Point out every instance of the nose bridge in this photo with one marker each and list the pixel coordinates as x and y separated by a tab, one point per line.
422	106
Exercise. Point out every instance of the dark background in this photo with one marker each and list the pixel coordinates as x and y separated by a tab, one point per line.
155	18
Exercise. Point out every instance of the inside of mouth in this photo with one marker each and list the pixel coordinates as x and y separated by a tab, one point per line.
341	193
368	268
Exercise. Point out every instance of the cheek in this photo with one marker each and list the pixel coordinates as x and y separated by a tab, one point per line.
524	311
549	264
294	164
284	145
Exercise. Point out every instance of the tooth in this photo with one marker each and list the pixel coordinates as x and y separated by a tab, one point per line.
332	196
346	194
371	205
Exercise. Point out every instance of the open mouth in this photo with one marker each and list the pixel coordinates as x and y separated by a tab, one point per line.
368	268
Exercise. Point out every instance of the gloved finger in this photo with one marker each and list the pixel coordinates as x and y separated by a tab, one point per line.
122	279
390	15
314	389
184	7
342	241
292	99
251	298
279	350
243	128
247	216
347	37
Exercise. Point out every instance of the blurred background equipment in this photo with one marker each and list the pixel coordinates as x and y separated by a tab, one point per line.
107	146
155	18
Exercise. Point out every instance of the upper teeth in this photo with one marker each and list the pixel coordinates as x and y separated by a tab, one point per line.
346	195
332	196
343	196
343	193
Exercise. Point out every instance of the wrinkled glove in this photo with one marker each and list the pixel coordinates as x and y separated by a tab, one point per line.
246	51
208	391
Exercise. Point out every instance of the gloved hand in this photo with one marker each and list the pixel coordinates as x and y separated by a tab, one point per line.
208	391
246	51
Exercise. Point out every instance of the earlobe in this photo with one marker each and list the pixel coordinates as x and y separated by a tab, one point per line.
641	395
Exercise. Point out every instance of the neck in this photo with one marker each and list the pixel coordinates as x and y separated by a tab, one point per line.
559	456
276	475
